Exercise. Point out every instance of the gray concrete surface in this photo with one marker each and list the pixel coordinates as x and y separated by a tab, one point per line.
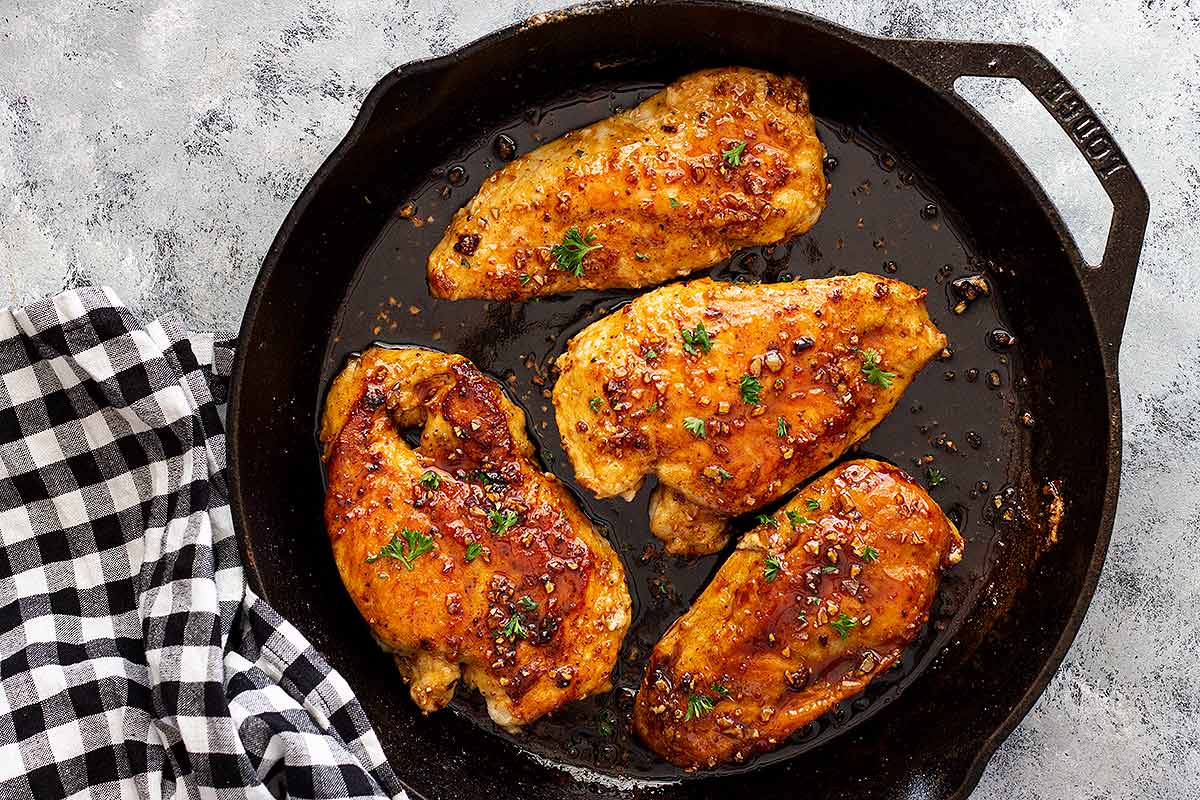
155	147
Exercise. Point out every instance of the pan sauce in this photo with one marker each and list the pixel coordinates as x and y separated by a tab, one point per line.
962	410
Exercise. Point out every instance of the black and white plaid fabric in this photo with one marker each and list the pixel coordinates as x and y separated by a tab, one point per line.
134	660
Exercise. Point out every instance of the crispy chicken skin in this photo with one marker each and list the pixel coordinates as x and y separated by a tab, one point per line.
508	541
783	390
808	609
665	188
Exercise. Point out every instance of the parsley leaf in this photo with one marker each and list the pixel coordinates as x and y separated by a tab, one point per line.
694	426
696	341
869	553
404	547
751	390
781	428
829	569
813	505
500	521
641	256
698	706
766	519
473	551
488	478
523	278
515	628
771	567
595	403
674	203
606	727
871	369
935	477
797	519
528	603
431	479
733	156
843	624
574	247
724	474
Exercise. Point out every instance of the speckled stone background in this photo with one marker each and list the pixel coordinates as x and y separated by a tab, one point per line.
156	146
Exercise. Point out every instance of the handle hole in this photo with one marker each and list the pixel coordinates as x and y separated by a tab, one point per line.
1050	155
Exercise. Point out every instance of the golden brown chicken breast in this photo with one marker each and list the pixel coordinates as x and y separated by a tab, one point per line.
462	555
720	159
733	394
816	601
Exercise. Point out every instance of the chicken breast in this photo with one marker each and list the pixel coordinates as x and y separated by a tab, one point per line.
733	394
462	555
719	160
815	602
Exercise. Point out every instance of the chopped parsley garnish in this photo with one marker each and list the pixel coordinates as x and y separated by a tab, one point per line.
606	727
751	390
797	519
869	553
766	519
724	474
870	367
771	567
431	479
733	156
574	247
935	477
488	478
720	690
813	505
473	551
781	428
523	278
653	406
674	203
528	603
515	628
696	341
829	569
500	521
404	547
843	624
651	354
641	256
694	426
698	706
595	403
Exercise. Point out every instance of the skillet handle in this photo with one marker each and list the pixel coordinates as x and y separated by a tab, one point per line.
1109	284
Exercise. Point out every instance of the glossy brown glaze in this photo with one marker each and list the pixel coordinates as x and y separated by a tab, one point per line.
636	398
720	159
451	610
816	601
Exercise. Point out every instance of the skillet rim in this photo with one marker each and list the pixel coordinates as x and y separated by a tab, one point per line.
880	47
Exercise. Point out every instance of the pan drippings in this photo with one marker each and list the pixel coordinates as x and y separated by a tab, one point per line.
956	430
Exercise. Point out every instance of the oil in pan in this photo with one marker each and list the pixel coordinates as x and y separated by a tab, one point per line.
956	428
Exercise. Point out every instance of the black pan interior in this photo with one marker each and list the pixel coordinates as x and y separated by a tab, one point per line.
918	193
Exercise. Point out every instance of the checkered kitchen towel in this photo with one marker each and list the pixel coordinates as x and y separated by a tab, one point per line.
134	660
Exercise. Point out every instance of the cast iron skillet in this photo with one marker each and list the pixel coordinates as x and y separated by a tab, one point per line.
922	187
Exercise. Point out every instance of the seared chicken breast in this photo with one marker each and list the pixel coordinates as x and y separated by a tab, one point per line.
719	160
733	394
463	556
815	602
